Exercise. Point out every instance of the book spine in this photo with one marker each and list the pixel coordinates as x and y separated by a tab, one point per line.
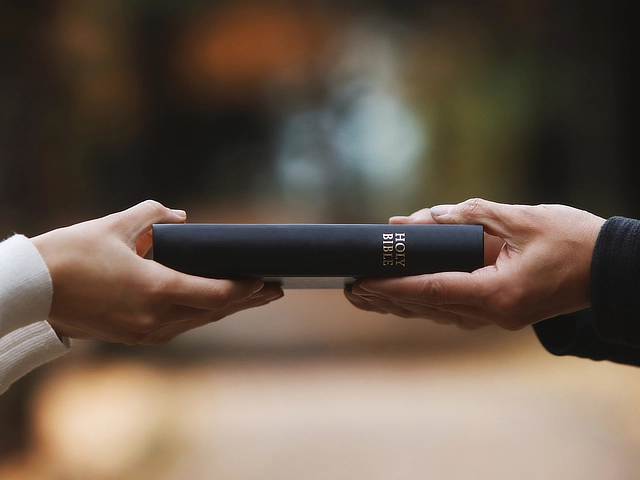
299	250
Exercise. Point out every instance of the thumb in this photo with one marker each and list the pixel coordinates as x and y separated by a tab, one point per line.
138	219
495	217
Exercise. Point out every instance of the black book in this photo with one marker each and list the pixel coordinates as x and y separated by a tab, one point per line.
318	255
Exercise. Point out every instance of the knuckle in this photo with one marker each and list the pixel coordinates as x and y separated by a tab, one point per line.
153	206
472	206
217	294
433	291
530	215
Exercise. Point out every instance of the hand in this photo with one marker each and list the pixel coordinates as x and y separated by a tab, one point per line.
103	287
538	262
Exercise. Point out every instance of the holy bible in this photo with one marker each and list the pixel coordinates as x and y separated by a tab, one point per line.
317	255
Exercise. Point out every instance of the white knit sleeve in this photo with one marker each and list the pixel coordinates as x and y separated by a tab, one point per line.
27	348
26	339
25	285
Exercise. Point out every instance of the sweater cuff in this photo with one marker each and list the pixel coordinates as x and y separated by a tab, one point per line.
575	335
571	334
25	285
27	348
615	276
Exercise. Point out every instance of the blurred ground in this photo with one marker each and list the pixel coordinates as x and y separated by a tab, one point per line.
309	388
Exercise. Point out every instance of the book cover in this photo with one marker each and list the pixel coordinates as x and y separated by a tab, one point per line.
317	255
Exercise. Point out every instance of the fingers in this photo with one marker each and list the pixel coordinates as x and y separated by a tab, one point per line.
172	320
498	219
492	243
373	303
180	313
183	319
419	217
438	289
205	293
359	301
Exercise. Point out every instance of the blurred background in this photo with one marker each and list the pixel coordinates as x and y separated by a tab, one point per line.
308	111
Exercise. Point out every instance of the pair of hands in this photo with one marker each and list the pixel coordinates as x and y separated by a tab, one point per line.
537	266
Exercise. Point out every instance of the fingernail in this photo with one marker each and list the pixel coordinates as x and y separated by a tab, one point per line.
440	210
399	219
267	296
360	290
259	285
180	213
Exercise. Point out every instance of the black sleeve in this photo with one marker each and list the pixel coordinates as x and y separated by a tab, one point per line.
615	282
575	335
610	330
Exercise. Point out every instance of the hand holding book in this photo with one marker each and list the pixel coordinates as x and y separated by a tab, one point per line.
104	288
537	266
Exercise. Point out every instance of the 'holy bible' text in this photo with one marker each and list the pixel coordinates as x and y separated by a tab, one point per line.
393	249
